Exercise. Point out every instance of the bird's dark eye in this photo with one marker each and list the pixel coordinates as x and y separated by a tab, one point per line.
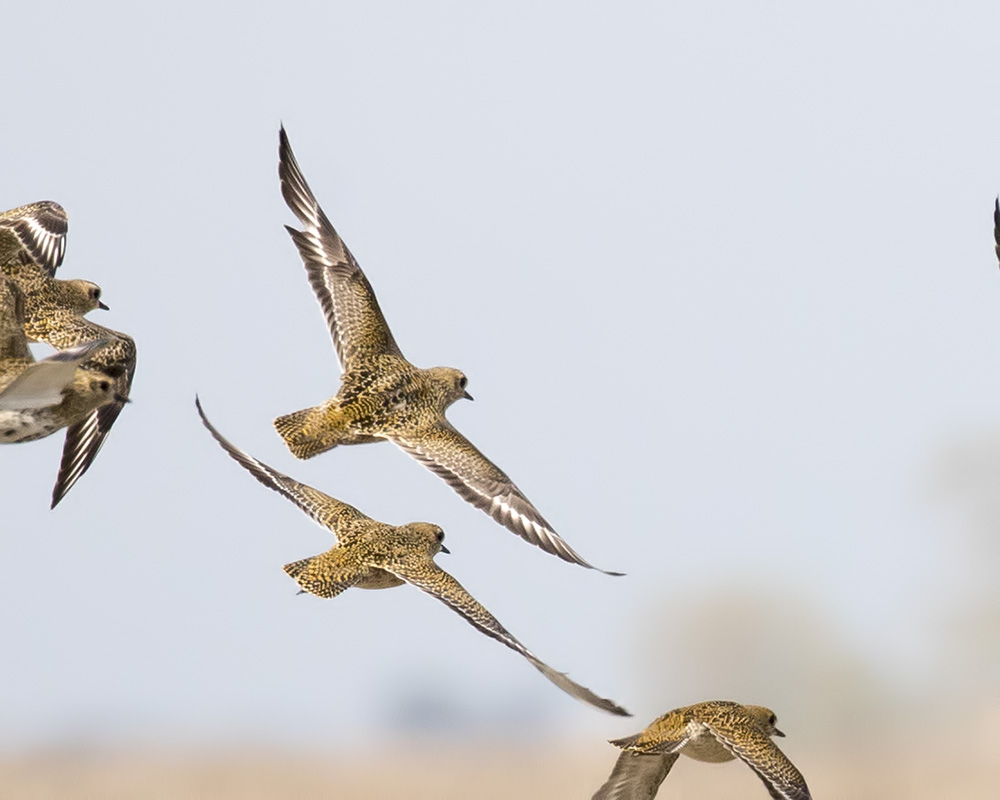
95	293
772	720
104	386
440	535
462	382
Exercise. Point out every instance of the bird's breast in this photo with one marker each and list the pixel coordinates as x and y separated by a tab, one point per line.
379	579
26	425
703	746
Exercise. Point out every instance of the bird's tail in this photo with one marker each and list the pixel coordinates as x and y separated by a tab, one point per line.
625	742
296	568
309	432
324	575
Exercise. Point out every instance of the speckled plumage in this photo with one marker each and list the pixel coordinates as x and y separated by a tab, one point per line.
372	555
32	244
714	731
382	395
40	398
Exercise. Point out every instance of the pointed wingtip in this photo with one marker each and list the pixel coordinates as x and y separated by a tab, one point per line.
577	559
204	420
576	690
62	487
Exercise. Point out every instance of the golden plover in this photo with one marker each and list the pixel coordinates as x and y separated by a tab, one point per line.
382	395
714	731
32	245
372	555
39	398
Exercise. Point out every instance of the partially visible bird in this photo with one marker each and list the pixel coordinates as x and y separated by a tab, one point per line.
382	395
714	731
116	359
372	555
996	225
39	398
32	245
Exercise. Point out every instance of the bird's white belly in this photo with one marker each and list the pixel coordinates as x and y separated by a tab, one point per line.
25	426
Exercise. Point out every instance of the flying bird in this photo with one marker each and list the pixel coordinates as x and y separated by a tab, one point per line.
32	246
373	555
382	395
40	398
714	731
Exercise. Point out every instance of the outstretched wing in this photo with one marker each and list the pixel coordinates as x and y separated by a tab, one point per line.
327	511
426	575
41	385
352	313
85	439
448	454
747	742
636	776
34	234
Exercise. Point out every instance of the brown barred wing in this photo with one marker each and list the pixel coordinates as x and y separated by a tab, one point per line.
352	313
327	511
85	439
746	741
448	454
426	575
636	776
34	234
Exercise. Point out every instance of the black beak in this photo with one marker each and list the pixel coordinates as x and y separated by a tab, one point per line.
122	399
101	306
778	733
445	550
468	396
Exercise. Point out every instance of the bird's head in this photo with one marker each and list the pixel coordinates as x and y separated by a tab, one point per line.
452	381
765	718
429	534
84	296
98	384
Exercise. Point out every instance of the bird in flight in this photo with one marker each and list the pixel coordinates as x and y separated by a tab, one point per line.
32	246
382	395
714	731
38	398
370	554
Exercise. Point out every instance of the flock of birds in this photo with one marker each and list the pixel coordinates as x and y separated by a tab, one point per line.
382	396
82	388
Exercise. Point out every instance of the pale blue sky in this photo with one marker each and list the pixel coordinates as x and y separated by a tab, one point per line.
721	276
